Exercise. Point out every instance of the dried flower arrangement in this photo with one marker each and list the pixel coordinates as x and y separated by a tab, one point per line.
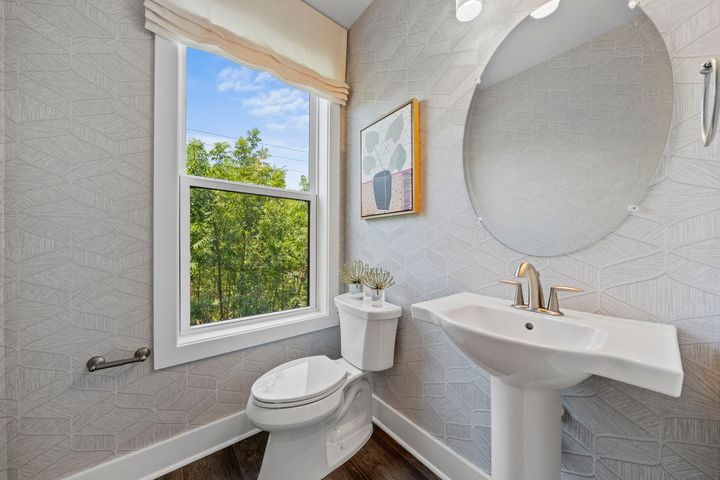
378	279
353	273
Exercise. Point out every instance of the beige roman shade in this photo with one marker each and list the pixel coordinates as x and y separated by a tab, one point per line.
284	37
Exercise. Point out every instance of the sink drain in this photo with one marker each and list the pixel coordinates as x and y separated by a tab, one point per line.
529	326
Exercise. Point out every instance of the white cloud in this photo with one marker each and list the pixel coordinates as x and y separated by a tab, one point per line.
297	121
276	126
238	79
300	121
279	102
264	77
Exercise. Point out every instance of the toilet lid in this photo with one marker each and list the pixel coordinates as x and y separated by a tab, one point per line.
299	380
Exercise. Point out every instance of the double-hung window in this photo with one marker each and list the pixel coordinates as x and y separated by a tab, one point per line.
245	207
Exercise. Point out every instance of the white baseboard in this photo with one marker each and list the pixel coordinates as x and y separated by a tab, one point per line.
434	454
163	457
160	458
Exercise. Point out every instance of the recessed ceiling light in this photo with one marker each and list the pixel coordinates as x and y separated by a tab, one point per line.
545	10
467	10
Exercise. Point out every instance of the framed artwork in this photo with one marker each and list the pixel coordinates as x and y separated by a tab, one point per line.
390	167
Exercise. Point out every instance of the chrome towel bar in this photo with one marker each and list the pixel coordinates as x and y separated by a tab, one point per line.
709	110
99	363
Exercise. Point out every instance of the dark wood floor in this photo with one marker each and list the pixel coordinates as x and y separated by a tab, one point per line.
380	459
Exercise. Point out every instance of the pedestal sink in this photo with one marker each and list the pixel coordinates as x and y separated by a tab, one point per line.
532	357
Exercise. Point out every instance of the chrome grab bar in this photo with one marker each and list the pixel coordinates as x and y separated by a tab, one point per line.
99	363
709	113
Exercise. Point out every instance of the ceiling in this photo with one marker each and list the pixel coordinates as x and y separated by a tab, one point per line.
343	12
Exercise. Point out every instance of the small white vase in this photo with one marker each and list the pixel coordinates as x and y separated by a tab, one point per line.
356	290
375	296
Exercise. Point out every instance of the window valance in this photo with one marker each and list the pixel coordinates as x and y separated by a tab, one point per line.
287	38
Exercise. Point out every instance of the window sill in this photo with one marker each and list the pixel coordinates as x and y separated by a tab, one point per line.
211	342
265	330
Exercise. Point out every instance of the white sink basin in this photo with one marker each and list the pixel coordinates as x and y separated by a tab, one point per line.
532	356
557	352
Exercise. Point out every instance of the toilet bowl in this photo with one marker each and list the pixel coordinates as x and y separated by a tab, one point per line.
319	411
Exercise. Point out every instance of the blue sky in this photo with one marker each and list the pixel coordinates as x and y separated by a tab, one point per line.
227	99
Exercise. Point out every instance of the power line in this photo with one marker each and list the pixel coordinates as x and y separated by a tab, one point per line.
304	172
234	138
287	158
271	155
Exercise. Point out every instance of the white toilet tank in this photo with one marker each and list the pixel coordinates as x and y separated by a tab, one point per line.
367	334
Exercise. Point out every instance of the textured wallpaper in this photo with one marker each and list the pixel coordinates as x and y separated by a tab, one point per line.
661	265
6	414
78	106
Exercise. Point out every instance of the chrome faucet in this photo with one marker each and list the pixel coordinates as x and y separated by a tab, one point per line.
536	302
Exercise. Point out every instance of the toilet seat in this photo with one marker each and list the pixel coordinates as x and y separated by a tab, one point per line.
299	382
291	415
292	418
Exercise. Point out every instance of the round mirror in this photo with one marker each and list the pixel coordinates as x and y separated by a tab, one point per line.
568	125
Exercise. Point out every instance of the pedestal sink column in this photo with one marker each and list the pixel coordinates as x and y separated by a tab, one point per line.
525	432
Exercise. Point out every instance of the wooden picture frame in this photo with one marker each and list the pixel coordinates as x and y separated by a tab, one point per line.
390	163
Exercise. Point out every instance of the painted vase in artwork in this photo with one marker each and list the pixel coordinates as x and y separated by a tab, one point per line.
382	189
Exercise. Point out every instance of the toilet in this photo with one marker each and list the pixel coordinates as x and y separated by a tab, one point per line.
319	411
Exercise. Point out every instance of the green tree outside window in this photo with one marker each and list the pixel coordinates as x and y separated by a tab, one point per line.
249	254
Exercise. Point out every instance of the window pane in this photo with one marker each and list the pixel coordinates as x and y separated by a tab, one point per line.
249	255
237	116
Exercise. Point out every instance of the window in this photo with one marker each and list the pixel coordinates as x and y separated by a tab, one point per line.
245	239
249	248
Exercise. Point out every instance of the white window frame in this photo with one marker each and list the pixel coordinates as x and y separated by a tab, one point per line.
174	341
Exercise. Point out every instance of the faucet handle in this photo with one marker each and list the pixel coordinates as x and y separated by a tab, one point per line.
553	304
519	298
